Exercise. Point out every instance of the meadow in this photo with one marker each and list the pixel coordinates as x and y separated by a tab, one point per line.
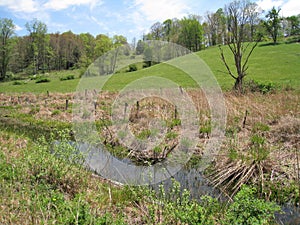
278	65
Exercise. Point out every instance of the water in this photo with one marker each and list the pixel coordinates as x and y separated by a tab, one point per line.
192	179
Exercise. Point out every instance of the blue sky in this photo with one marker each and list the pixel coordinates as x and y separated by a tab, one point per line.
130	18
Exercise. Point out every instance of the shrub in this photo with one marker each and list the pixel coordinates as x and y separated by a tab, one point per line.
179	208
42	80
18	82
69	77
247	209
132	68
255	86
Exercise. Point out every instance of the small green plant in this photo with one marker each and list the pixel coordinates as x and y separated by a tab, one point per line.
258	149
173	123
260	127
233	154
144	134
171	135
248	209
179	208
157	150
205	129
231	131
55	112
34	110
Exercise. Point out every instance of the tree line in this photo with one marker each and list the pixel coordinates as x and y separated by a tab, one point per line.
195	32
237	23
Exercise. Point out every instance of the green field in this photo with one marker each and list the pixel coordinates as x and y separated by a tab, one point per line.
278	64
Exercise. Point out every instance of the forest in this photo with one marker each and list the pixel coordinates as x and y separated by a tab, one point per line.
40	51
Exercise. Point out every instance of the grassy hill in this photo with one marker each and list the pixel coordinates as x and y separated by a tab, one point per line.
278	64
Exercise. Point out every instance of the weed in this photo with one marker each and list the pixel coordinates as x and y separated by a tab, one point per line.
260	127
205	129
255	86
247	209
55	112
144	134
242	167
34	110
173	123
171	135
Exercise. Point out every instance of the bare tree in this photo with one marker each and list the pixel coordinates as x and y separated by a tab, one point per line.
215	27
237	14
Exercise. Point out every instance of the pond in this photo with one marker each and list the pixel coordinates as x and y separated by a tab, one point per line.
190	178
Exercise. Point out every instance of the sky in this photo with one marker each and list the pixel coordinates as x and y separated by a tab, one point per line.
130	18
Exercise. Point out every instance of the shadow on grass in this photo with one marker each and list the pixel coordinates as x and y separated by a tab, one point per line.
269	44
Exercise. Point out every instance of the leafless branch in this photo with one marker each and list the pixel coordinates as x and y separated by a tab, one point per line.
226	64
245	67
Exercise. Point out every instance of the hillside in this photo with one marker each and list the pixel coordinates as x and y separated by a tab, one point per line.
277	64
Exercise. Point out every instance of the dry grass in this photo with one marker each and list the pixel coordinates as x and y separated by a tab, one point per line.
279	111
274	118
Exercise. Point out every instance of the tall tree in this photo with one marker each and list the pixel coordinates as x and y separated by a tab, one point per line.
6	32
37	31
167	28
156	31
293	25
273	23
88	51
215	27
237	18
140	47
253	14
102	45
191	33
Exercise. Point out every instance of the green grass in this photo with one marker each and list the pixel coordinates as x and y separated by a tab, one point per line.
277	64
55	84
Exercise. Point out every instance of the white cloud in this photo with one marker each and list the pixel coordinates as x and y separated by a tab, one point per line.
99	23
291	8
59	4
160	10
25	6
268	4
18	28
288	7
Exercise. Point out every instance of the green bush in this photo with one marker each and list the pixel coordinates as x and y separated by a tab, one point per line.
248	209
132	68
69	77
42	80
17	82
179	208
255	86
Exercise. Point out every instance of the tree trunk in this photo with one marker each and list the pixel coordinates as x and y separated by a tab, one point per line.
238	85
